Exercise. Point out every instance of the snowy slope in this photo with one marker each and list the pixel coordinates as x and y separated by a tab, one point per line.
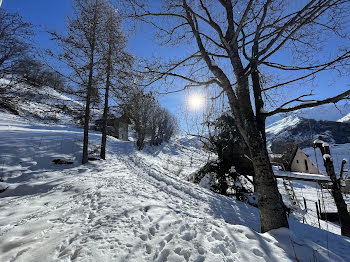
282	125
297	127
42	103
131	207
345	118
303	131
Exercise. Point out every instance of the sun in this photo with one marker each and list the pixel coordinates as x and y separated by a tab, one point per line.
195	101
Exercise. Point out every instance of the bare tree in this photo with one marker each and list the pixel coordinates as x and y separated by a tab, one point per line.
80	53
14	35
18	63
14	46
116	64
139	108
233	42
150	120
162	125
35	73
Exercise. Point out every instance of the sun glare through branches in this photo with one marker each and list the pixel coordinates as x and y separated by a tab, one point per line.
195	101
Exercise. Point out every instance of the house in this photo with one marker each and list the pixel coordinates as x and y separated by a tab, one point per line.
293	159
122	127
300	162
116	126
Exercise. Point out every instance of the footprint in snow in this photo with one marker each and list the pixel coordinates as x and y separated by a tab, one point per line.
216	235
169	237
257	252
250	236
152	231
144	237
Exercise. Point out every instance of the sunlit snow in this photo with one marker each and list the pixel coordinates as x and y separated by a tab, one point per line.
135	206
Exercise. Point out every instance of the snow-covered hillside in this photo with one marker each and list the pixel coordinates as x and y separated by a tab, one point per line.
131	207
303	131
44	103
282	125
345	118
303	126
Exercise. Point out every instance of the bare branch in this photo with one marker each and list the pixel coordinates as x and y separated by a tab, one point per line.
244	17
309	104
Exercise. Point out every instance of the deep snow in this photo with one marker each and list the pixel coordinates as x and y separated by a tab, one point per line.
131	207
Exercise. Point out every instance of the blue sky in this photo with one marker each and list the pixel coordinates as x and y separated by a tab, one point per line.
51	14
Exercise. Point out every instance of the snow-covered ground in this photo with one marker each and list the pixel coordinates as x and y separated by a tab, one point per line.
132	207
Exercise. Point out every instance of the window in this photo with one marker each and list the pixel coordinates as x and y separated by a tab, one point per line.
297	161
306	166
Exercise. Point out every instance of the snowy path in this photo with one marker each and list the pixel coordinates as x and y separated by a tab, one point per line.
131	207
112	215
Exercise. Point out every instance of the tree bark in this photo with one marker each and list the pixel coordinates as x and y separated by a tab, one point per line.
87	117
106	107
104	121
271	206
252	127
343	213
92	41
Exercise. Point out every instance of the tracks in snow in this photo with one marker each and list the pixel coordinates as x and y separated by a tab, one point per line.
130	211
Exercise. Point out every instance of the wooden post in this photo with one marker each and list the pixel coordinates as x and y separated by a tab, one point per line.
305	206
343	162
319	207
318	215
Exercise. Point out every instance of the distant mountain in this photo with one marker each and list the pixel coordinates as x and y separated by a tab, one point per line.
328	112
302	131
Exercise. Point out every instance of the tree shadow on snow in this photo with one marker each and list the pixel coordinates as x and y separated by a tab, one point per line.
29	189
234	212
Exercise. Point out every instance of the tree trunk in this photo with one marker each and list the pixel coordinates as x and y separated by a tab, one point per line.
106	107
343	213
271	206
85	158
252	127
87	119
104	122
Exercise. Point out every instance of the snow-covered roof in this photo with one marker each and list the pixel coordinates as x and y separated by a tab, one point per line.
302	176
